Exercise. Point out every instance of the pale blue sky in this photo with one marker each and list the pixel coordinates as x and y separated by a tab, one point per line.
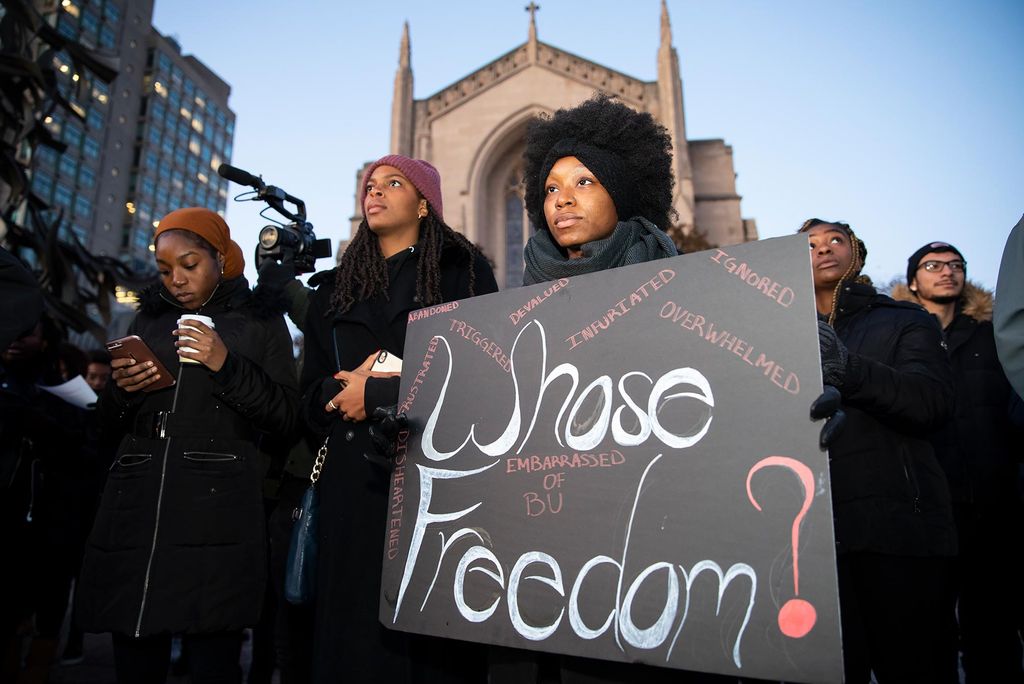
902	118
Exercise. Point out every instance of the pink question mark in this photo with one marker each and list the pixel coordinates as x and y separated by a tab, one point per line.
797	616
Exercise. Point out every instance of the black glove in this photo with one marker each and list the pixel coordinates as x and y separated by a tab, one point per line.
834	356
827	406
387	423
274	275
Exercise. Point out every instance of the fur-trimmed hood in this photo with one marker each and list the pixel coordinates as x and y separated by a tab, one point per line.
975	301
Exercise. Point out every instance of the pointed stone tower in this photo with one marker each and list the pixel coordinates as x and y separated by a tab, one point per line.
401	104
673	117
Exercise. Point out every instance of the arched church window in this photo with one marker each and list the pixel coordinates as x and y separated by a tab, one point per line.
515	229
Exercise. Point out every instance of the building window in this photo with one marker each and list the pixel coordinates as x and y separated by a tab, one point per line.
66	28
73	135
112	13
86	177
90	22
95	119
83	207
100	91
62	195
42	185
108	39
91	147
81	233
68	166
47	155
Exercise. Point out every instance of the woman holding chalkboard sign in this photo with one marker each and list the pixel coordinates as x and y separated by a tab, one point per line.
599	191
403	257
893	519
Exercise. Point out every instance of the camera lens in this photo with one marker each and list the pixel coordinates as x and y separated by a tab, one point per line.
268	237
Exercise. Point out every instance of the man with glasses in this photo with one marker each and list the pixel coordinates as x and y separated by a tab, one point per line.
977	451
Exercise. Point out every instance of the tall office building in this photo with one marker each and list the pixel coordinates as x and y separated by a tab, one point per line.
146	144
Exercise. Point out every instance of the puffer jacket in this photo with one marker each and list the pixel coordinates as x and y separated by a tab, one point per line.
178	545
889	492
980	447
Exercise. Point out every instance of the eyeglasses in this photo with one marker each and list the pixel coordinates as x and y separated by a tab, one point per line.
934	266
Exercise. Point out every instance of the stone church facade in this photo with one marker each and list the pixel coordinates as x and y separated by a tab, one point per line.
474	130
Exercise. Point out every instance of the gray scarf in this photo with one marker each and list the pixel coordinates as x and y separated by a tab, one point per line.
632	242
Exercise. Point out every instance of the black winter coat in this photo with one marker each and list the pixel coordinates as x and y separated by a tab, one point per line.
351	644
979	449
889	492
179	544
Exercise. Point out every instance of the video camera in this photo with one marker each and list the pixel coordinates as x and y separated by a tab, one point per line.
292	243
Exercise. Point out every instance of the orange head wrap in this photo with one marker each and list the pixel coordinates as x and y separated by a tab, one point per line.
212	228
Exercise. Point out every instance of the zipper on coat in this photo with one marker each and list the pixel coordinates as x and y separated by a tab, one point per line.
914	490
32	474
159	506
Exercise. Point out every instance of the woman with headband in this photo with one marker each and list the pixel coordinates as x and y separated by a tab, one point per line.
895	537
178	546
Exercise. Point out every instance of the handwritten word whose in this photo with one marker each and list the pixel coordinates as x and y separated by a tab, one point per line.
621	308
688	320
770	288
648	422
488	346
521	313
432	310
421	375
536	464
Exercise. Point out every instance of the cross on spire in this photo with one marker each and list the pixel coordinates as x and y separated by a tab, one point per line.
532	9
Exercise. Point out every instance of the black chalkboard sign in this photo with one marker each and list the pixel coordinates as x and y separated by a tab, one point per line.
621	466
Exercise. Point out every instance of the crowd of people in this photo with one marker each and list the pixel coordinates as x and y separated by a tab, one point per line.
170	510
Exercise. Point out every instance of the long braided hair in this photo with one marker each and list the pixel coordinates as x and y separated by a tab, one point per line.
363	272
860	255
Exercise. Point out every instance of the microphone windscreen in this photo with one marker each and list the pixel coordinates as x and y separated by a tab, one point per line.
233	173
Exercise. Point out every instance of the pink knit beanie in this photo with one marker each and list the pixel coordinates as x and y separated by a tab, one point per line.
421	173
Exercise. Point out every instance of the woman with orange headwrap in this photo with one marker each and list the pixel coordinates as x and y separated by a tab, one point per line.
178	543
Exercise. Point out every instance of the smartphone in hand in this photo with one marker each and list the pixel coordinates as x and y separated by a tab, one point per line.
132	347
387	363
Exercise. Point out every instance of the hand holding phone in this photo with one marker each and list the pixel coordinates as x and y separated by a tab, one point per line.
135	367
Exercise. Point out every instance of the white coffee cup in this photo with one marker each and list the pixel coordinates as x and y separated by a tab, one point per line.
183	323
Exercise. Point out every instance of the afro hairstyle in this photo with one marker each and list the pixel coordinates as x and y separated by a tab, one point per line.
643	145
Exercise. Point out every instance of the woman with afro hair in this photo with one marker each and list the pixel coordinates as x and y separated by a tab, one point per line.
598	190
403	257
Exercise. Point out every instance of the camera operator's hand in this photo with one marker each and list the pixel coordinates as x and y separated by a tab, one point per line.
131	376
274	275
